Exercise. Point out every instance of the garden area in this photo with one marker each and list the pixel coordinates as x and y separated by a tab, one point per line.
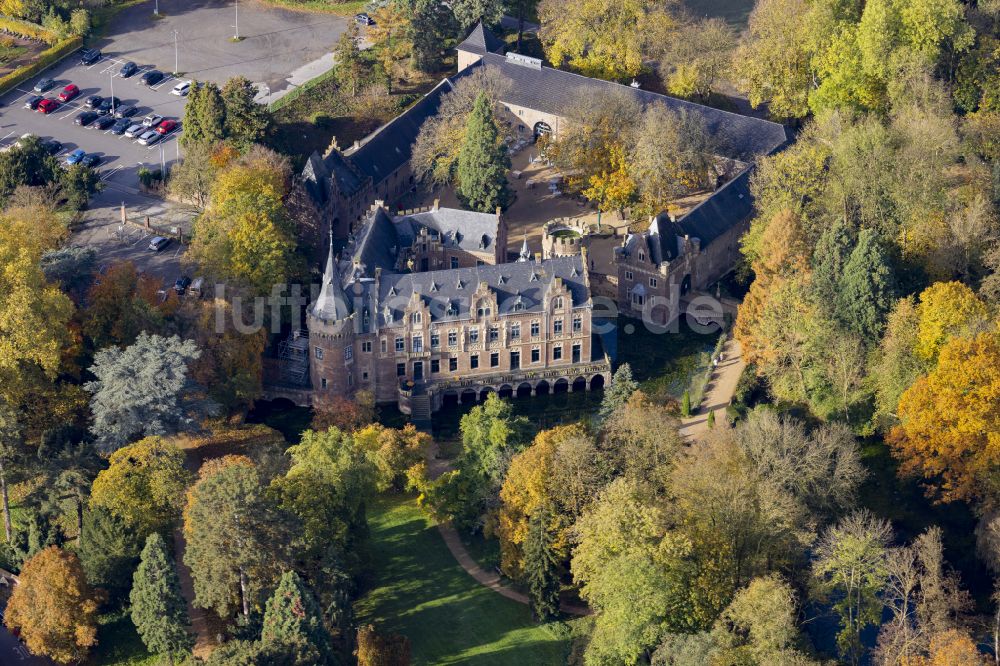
420	592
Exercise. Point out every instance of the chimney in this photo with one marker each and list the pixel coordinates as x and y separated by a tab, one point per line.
437	204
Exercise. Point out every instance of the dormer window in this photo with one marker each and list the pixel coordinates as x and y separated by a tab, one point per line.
416	318
557	303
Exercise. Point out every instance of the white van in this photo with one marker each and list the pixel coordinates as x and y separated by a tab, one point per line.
197	287
182	88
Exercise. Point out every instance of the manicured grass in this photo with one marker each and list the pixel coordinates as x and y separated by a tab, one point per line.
322	6
663	363
421	592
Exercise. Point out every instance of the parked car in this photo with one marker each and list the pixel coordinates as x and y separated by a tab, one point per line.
52	146
181	285
152	77
94	101
152	120
91	160
43	85
32	102
108	104
197	287
166	127
182	88
135	130
363	19
104	122
85	118
69	92
158	243
120	126
90	56
47	106
126	111
128	69
76	156
149	138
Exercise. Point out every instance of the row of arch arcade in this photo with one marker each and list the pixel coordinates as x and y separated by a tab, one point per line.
526	389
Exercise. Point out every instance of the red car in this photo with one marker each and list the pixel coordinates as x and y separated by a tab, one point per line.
47	106
166	126
69	92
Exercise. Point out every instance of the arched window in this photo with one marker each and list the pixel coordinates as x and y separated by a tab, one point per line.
557	303
416	318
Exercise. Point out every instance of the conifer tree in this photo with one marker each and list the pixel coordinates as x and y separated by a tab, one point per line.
868	288
159	612
483	162
351	68
621	389
541	565
204	114
293	625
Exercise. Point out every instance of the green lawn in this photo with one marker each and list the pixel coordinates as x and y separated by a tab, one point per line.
421	592
663	363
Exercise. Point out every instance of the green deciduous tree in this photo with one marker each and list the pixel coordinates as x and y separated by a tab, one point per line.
158	610
145	389
698	57
483	162
469	12
491	435
851	562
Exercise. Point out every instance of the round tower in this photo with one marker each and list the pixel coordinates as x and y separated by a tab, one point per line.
562	238
330	323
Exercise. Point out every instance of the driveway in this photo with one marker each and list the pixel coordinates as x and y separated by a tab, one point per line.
279	48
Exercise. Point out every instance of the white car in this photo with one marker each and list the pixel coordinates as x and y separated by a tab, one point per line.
135	130
182	88
152	120
149	138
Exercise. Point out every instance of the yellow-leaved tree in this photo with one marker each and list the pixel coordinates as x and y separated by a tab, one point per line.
607	40
525	489
949	428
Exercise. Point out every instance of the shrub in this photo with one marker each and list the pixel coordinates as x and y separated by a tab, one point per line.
27	29
686	404
44	59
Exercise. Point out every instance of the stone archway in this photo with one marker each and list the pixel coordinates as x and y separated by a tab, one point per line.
542	388
579	384
541	128
469	396
561	385
524	390
449	399
596	382
506	391
484	393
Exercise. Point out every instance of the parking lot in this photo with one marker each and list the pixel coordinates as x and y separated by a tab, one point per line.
121	157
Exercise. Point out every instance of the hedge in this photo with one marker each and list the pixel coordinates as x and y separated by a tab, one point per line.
44	59
27	29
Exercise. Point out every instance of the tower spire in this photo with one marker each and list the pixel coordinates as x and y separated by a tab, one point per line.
332	303
525	252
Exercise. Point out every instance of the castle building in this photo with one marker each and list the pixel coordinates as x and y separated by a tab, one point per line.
423	309
424	338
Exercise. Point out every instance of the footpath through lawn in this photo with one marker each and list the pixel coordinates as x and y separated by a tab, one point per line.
418	590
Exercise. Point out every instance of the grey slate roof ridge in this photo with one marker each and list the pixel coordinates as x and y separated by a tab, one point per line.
472	226
478	40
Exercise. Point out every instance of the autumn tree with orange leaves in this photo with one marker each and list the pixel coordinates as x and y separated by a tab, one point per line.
949	429
53	608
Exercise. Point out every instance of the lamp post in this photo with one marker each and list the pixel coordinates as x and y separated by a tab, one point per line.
111	75
156	8
176	68
237	26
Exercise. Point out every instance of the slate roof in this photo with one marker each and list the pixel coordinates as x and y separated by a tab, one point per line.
390	146
554	91
377	244
332	303
466	229
522	282
481	40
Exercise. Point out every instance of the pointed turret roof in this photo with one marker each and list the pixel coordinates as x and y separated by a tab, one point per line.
332	303
481	40
525	252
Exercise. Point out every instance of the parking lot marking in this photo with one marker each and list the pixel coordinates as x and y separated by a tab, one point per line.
159	85
108	174
4	137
